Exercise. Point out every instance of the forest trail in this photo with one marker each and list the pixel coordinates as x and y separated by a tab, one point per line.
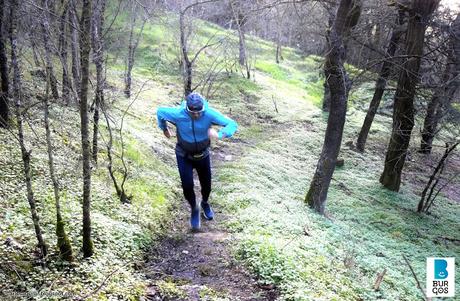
199	266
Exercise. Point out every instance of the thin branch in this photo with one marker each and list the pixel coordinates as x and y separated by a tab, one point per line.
415	276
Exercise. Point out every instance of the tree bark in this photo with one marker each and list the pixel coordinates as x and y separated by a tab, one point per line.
186	63
46	34
24	152
445	93
425	202
130	57
4	106
66	84
403	112
381	83
75	47
280	18
98	46
63	242
336	76
351	19
85	46
132	46
240	21
119	189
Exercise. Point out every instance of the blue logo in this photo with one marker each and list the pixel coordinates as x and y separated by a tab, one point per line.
440	269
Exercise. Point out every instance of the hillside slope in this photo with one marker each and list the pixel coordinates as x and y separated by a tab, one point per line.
259	189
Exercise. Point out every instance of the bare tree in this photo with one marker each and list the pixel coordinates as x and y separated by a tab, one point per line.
187	62
119	188
85	46
280	15
46	42
403	112
132	46
4	107
444	94
240	21
383	76
73	20
63	243
17	94
63	29
427	201
98	52
336	76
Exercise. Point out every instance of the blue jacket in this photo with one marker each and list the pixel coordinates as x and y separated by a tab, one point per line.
192	135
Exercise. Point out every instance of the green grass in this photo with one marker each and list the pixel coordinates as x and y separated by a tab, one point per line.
305	254
121	232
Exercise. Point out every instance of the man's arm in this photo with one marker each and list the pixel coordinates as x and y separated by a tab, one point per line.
166	114
229	125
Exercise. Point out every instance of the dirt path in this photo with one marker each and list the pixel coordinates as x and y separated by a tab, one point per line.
199	266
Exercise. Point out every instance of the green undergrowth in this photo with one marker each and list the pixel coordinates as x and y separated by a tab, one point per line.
310	257
121	232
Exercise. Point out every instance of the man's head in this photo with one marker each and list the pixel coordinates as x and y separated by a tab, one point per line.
195	105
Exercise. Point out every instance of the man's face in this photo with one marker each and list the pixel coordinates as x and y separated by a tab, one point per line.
195	115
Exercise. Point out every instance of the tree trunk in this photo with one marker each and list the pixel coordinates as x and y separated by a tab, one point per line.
445	93
75	48
280	18
63	242
425	202
130	58
403	112
66	85
35	52
380	85
25	153
351	19
240	21
186	63
4	106
331	8
336	76
278	52
85	46
46	34
98	46
120	190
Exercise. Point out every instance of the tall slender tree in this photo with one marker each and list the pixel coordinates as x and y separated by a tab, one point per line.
4	107
45	19
240	20
351	21
132	46
74	26
63	243
63	28
336	76
24	152
98	52
85	46
384	74
444	94
403	110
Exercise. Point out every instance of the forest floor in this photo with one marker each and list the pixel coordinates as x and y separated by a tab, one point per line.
199	266
184	265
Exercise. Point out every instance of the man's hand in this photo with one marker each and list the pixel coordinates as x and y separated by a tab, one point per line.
212	134
167	133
